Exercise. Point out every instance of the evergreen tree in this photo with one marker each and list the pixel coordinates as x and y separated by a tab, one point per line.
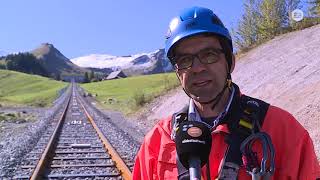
58	77
91	77
314	8
26	63
86	78
2	66
247	34
272	18
290	6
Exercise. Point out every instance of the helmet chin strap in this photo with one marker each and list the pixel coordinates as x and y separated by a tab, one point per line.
218	97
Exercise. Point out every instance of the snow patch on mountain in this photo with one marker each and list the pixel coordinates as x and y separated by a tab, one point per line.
143	63
105	60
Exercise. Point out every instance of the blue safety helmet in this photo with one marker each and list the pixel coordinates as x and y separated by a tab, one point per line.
194	21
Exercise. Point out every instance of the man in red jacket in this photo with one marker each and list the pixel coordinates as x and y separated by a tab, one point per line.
200	49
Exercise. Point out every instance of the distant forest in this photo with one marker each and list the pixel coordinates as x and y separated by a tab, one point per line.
23	62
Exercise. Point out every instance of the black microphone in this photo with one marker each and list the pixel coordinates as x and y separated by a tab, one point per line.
193	143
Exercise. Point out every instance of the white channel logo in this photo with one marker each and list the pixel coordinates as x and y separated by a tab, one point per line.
297	15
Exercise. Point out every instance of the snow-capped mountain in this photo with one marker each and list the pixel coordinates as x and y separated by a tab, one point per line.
103	61
144	63
3	53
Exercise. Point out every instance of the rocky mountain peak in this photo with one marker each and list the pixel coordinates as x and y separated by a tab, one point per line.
48	50
49	45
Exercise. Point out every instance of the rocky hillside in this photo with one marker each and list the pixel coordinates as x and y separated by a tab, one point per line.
284	72
54	61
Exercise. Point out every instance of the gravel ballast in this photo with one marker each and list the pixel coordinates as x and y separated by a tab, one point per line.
18	139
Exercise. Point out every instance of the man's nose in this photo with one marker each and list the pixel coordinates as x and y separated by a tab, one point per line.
197	66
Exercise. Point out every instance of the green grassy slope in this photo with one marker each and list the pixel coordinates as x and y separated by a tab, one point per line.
24	89
129	94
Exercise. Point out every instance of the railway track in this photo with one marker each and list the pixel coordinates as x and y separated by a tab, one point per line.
73	147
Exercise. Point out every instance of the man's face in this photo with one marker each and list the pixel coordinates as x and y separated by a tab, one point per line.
203	82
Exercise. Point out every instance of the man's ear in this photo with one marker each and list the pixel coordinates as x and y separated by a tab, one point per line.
233	63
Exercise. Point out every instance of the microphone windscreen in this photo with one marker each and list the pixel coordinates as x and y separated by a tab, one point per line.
193	138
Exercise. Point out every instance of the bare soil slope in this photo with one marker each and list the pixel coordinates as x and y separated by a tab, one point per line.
284	72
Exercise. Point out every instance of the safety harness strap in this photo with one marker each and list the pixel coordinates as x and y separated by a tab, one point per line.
244	118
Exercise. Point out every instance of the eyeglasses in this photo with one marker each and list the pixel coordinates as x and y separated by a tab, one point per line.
205	56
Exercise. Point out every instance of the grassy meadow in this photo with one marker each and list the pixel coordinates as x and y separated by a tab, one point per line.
129	94
23	89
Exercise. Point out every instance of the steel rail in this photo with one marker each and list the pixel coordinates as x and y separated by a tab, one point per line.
120	164
36	174
43	162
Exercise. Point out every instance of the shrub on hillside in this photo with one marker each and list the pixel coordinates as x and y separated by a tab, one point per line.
139	98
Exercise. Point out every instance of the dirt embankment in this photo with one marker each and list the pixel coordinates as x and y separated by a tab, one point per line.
284	72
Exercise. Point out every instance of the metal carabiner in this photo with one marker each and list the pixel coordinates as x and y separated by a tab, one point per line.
267	147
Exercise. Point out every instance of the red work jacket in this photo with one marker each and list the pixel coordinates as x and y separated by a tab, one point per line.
295	157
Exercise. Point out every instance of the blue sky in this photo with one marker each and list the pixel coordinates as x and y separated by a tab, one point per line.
83	27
